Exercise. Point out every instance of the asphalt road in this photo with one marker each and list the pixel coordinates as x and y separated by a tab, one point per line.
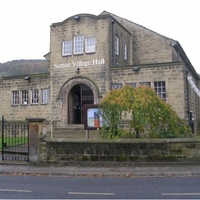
57	187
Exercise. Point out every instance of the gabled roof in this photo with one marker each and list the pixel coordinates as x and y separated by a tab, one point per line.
175	43
134	24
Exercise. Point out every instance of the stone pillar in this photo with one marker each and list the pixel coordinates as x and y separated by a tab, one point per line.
35	130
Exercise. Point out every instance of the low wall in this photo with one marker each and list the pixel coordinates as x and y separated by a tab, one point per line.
173	150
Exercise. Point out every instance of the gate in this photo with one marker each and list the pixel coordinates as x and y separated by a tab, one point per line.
87	97
15	140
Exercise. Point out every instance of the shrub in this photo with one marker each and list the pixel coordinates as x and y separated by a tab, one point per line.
149	114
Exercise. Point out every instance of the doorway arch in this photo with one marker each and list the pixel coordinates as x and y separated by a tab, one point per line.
74	94
79	95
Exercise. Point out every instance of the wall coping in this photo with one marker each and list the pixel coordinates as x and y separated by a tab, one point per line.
159	141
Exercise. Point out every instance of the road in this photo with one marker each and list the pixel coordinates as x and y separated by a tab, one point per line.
54	187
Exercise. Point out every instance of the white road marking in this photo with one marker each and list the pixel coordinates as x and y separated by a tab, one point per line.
180	194
90	193
12	190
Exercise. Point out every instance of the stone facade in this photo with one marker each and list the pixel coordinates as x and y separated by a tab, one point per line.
124	53
21	111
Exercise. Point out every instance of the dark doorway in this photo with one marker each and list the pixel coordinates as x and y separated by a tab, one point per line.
79	96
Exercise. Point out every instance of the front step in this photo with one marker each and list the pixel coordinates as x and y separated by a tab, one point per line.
74	131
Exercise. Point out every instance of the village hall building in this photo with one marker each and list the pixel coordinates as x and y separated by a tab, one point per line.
89	56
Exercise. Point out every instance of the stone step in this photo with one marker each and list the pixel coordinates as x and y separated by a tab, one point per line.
73	131
72	128
92	135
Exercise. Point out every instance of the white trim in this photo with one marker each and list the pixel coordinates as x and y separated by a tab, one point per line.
189	78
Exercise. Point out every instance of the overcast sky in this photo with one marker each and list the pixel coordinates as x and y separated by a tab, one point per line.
25	24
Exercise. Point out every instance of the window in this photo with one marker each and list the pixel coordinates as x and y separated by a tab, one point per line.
67	48
145	84
35	96
116	86
15	97
131	84
116	45
78	44
90	45
125	50
160	89
24	97
45	96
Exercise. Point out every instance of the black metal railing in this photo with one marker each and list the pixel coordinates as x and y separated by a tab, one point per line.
15	140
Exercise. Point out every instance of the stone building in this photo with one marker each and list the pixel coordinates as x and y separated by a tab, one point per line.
91	55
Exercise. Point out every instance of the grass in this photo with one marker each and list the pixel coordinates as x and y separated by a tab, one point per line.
13	141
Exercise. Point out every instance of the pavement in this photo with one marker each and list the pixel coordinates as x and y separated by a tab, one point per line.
102	169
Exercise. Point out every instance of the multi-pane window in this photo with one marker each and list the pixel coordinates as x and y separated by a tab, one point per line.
116	86
35	96
90	45
45	96
125	50
78	44
67	48
15	97
145	84
131	84
116	45
160	88
24	97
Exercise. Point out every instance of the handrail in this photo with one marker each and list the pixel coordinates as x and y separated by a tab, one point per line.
52	121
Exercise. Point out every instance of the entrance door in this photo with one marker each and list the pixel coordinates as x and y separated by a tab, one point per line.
79	96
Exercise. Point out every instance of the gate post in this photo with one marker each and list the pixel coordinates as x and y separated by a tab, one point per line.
35	130
2	136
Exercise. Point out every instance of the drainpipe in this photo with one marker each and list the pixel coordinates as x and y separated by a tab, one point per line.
112	50
112	45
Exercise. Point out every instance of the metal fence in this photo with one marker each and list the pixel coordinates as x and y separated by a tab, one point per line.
14	140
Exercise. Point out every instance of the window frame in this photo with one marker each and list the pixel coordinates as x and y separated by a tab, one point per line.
24	97
116	86
132	84
44	95
125	50
145	83
78	44
116	45
160	89
15	101
35	96
67	48
90	46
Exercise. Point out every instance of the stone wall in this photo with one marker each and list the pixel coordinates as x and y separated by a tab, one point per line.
157	150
